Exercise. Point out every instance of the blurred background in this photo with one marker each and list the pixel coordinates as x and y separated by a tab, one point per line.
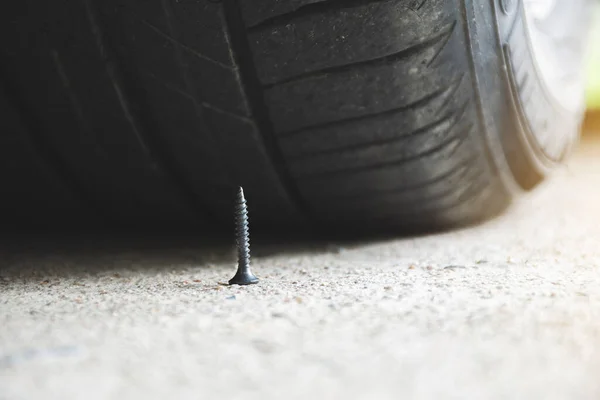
592	123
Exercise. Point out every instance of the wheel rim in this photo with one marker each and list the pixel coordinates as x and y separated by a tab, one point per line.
554	29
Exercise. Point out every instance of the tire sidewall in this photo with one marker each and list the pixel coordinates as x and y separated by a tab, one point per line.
526	131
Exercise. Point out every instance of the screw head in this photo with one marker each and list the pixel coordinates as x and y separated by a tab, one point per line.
243	277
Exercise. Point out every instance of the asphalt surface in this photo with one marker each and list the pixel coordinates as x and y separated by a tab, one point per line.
506	310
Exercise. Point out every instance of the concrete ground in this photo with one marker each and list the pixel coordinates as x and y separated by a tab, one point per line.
506	310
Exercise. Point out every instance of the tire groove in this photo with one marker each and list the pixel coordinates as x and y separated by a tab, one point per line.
457	139
474	189
309	10
426	199
469	131
191	97
186	48
450	96
443	46
417	132
445	92
230	114
416	5
460	169
365	64
251	85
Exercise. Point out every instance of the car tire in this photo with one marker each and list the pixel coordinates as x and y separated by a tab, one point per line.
354	114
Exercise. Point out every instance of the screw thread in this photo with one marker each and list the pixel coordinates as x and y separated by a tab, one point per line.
242	236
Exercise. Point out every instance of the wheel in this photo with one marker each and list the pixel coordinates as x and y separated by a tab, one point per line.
403	114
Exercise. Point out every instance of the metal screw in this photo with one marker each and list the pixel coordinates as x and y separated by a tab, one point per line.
244	275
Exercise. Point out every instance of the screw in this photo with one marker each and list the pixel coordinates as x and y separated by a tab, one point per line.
244	275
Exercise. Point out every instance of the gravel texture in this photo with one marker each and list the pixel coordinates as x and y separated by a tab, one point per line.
506	310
